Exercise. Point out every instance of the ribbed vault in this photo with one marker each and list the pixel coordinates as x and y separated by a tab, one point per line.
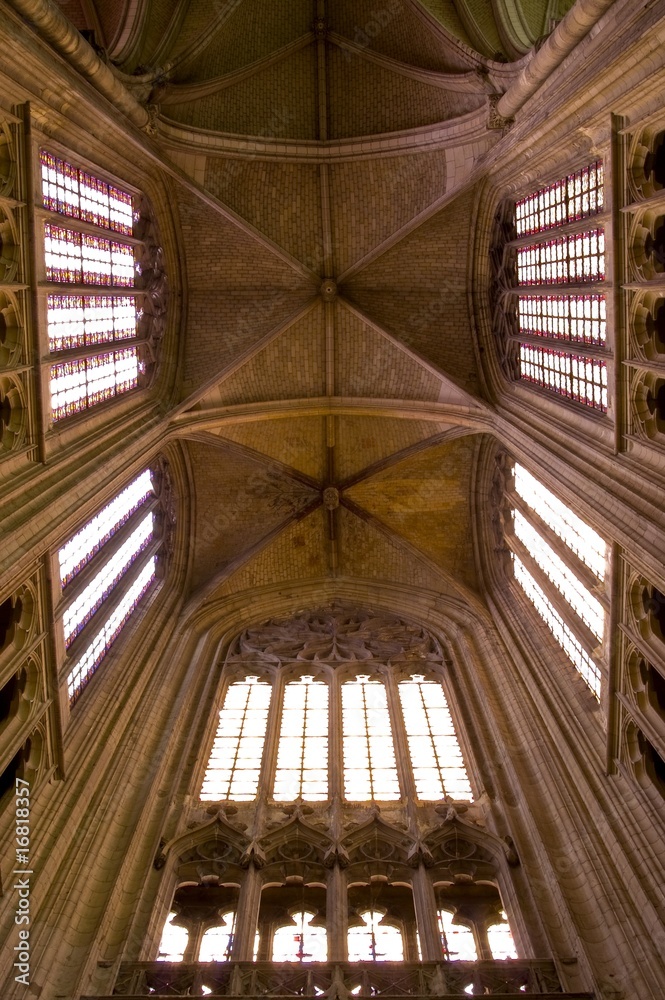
330	389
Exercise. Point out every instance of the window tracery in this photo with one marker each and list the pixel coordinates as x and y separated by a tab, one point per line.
102	344
544	259
125	541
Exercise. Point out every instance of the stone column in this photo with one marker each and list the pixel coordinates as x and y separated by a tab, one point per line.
249	904
337	915
424	903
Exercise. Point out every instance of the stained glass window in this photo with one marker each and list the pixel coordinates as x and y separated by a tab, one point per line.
235	761
300	941
577	196
569	375
436	758
588	607
302	757
375	941
370	770
70	191
575	318
89	600
77	322
578	257
575	325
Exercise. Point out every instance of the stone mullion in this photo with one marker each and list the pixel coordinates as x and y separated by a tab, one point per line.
337	915
401	743
249	905
270	748
424	902
335	749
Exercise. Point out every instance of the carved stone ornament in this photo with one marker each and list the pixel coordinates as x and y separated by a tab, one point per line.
336	633
494	119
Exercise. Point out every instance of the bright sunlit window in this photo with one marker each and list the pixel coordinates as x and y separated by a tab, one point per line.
457	939
235	761
93	605
217	942
436	758
300	941
375	941
501	940
174	941
566	638
302	758
589	609
370	770
578	536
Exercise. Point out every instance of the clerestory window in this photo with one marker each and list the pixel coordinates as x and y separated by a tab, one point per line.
549	256
560	562
101	340
106	568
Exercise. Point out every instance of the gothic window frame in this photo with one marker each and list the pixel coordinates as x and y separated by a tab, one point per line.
562	361
335	676
99	596
146	295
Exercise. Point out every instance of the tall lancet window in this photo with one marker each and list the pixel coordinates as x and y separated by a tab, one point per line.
549	257
436	758
302	757
100	338
374	940
370	770
234	766
122	542
559	562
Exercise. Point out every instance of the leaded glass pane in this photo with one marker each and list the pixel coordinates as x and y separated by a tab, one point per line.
370	771
501	940
89	539
568	641
78	258
569	375
578	319
375	941
235	760
82	320
436	758
108	633
574	197
83	382
89	600
571	259
585	605
70	191
302	758
217	942
578	536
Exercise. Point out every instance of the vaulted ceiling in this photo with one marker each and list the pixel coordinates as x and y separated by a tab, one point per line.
331	395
